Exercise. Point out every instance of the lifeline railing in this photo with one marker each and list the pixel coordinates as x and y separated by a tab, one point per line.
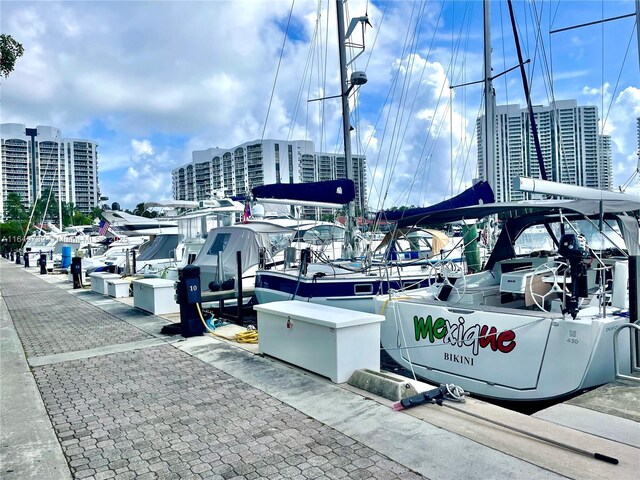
634	353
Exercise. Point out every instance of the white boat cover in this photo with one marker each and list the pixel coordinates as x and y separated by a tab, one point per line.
247	238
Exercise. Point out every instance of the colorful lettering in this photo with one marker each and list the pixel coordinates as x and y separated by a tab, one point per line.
475	336
428	328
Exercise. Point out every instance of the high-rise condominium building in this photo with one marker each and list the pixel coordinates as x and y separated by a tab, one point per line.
235	171
37	159
572	150
638	134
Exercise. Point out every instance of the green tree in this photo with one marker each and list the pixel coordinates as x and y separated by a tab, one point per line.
80	218
13	207
96	212
46	207
10	50
11	235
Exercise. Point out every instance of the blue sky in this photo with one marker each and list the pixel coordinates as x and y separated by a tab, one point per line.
153	81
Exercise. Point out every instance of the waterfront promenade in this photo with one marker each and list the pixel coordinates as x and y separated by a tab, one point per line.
90	388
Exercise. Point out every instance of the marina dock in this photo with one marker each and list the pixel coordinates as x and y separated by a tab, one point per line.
90	389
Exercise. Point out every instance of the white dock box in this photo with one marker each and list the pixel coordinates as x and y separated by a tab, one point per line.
118	288
99	281
330	341
155	295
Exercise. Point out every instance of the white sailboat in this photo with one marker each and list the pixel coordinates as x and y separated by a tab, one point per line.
352	282
530	327
538	326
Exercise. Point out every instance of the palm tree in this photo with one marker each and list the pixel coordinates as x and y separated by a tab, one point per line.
13	207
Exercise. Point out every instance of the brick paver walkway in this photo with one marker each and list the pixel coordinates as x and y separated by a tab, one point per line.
158	412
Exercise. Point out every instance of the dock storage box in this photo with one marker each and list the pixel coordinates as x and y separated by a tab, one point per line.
155	295
99	281
330	341
118	288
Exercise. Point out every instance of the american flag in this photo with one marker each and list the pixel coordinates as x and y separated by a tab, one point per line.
247	212
103	227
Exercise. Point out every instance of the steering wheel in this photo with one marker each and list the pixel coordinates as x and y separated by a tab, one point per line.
448	270
548	270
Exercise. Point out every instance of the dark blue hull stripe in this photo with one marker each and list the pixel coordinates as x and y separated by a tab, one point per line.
328	287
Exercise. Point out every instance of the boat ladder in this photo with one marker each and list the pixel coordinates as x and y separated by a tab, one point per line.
635	353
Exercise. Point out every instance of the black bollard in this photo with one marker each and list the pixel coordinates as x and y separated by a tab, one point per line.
18	262
26	259
188	293
43	264
76	272
11	256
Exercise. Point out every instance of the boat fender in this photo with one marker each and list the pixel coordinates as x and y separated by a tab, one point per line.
226	285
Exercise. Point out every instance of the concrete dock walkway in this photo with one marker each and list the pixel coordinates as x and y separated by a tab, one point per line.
91	389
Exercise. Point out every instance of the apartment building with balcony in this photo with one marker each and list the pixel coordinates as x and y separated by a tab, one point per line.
573	151
235	171
36	159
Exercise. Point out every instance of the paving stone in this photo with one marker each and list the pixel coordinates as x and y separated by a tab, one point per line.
158	412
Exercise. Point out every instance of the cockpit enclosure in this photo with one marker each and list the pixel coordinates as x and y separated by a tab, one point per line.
557	257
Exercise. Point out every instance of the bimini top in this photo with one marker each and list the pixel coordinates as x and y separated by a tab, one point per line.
581	207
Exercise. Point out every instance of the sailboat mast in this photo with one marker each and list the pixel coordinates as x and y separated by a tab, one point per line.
349	241
60	188
490	164
638	36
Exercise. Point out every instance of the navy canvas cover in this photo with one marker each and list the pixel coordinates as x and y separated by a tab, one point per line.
331	191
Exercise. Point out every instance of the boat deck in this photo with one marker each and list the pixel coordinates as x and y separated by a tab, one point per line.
611	411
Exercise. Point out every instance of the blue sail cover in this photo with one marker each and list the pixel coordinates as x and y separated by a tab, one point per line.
331	191
477	194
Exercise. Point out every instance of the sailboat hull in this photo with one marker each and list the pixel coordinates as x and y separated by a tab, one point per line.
494	353
350	291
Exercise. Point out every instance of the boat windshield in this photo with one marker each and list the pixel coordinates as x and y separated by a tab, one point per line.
536	238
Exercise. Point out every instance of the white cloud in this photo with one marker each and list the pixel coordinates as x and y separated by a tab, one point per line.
141	147
153	81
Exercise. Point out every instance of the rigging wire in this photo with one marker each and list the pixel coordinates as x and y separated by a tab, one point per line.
394	85
306	74
461	159
323	79
615	89
275	80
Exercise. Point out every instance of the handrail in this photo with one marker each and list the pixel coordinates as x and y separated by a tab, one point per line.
634	359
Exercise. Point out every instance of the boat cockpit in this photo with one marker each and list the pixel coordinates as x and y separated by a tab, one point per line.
574	267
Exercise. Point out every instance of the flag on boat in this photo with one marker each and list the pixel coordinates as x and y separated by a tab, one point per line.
103	227
247	212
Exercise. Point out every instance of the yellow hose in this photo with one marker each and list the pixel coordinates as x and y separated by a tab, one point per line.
250	336
202	319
